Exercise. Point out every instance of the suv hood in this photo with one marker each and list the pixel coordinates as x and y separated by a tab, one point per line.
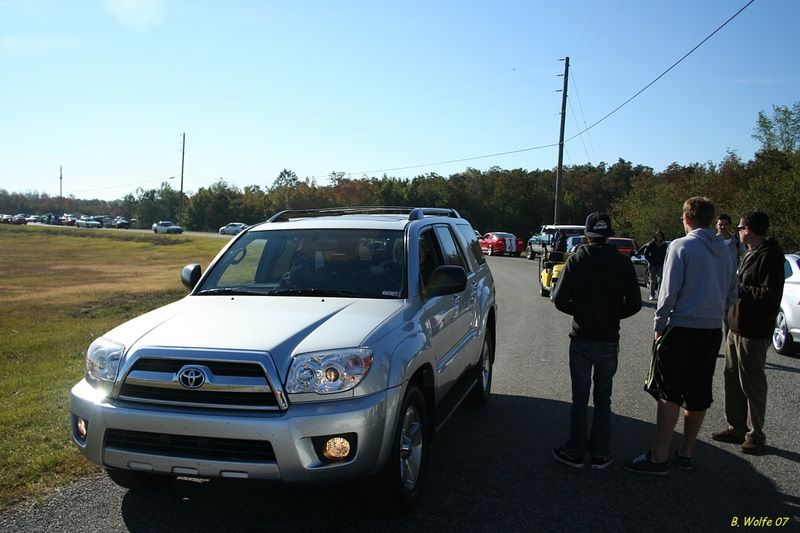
281	325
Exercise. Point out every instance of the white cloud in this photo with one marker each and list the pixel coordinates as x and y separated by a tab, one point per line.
138	15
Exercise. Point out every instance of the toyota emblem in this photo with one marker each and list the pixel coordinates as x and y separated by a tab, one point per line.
191	377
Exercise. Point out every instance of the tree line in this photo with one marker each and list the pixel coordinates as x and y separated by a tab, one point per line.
640	200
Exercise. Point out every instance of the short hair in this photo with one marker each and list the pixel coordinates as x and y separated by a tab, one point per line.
700	209
757	221
657	233
725	216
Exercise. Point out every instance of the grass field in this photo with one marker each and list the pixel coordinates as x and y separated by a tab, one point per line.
60	288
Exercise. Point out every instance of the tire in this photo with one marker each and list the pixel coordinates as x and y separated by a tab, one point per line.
132	480
394	490
490	251
155	231
479	395
781	338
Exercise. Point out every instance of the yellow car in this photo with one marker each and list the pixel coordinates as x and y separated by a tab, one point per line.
550	266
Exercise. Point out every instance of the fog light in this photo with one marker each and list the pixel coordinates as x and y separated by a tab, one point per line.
336	448
80	426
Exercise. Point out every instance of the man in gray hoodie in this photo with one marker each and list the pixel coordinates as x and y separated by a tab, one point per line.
699	282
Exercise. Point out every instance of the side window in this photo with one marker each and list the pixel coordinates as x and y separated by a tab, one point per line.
471	240
449	247
429	256
787	269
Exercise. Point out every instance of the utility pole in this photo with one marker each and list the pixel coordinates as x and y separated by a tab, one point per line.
60	191
560	169
180	208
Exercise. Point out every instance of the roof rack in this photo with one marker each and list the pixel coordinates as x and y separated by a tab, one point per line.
414	213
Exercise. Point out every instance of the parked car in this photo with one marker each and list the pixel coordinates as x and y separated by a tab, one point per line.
20	219
166	226
786	338
232	228
6	219
87	221
573	242
380	322
121	223
500	242
624	245
544	237
68	220
642	269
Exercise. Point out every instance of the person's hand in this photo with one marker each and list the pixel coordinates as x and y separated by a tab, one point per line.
658	335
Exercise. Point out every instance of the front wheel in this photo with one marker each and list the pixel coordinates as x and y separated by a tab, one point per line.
394	490
479	395
490	251
781	338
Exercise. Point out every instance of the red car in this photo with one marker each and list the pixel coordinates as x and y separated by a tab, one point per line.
500	242
624	245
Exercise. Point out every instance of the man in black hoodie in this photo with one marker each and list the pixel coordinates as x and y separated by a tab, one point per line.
598	287
751	321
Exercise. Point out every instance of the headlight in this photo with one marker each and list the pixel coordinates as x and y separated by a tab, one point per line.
328	372
102	362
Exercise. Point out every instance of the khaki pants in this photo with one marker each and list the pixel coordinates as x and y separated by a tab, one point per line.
746	385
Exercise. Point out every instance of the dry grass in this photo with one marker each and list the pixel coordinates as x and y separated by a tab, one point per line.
59	289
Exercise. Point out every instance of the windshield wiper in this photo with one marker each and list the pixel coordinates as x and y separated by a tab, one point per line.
229	291
316	292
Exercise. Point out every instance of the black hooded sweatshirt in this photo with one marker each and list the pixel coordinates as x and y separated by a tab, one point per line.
760	290
598	287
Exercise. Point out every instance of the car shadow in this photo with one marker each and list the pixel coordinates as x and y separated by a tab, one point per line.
492	470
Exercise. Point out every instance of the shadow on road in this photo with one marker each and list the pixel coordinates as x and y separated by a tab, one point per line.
492	470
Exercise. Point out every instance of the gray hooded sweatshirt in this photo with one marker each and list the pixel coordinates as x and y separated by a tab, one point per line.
699	282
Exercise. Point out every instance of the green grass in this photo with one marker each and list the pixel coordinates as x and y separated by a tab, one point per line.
60	288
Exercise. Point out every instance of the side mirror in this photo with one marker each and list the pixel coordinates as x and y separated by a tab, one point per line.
447	279
190	275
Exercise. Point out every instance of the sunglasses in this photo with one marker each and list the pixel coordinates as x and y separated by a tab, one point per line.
740	228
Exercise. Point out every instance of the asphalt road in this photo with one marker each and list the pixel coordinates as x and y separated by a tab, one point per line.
492	469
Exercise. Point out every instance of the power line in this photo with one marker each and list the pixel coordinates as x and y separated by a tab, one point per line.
643	89
375	171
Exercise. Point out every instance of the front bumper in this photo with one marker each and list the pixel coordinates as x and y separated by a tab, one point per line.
371	419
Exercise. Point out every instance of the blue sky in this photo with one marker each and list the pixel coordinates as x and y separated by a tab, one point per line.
105	88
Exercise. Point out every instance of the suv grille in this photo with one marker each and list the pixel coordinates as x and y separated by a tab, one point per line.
190	447
224	384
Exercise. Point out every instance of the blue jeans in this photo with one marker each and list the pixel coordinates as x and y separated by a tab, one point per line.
583	355
655	281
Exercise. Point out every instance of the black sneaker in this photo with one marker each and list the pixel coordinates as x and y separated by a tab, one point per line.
600	462
564	457
644	465
683	462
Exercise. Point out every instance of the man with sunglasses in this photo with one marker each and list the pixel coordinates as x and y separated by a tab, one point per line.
751	321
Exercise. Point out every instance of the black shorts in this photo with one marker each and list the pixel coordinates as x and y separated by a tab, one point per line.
682	368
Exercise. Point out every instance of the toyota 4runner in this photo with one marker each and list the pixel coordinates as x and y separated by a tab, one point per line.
321	345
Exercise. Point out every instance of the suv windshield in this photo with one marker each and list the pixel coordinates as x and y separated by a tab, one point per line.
361	263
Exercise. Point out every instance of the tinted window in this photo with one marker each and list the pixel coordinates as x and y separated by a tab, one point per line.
787	269
449	247
472	242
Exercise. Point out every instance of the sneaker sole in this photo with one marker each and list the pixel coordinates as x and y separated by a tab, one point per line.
564	462
646	472
601	467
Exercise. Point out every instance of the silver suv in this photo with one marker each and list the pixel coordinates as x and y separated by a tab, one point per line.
322	345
